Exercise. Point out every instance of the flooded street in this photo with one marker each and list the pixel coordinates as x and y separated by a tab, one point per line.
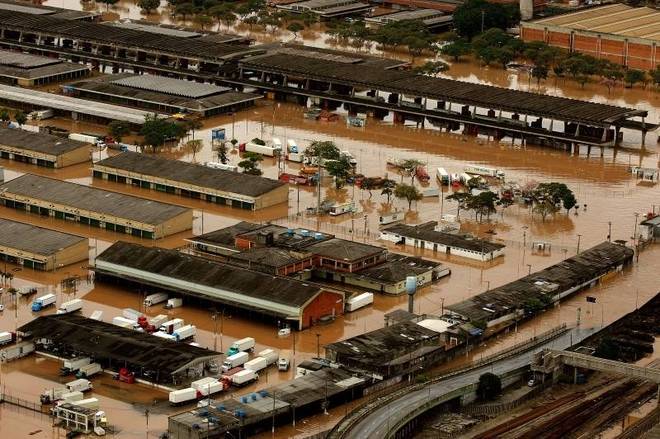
605	190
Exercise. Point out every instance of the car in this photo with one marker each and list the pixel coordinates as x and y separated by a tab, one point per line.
531	383
283	364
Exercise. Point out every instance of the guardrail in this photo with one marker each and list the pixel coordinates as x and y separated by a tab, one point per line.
361	412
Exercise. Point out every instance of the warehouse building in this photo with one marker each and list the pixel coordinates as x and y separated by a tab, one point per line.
615	32
96	207
432	19
41	149
425	236
33	8
217	186
162	94
179	31
39	248
327	9
18	68
153	359
279	299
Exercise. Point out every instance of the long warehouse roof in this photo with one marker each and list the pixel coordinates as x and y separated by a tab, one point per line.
91	199
190	173
410	83
67	103
251	289
105	340
139	39
33	239
38	142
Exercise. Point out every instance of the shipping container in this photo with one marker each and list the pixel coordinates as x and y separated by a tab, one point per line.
181	396
244	344
185	332
153	299
70	306
256	364
235	360
175	302
270	356
359	301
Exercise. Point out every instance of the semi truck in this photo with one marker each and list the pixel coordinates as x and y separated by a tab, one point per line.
243	378
165	335
223	166
175	302
131	314
72	397
43	302
156	298
270	356
6	337
89	370
73	365
359	301
483	170
80	385
235	360
184	332
171	325
242	345
70	306
443	176
207	386
182	396
268	150
158	320
256	364
123	322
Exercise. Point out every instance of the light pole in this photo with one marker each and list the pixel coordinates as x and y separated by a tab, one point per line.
318	345
442	305
609	231
529	269
578	244
487	282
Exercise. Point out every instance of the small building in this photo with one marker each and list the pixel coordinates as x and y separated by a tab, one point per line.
217	186
425	236
343	256
273	260
327	9
649	229
41	149
647	175
39	248
113	347
222	242
162	94
277	298
447	6
18	68
433	19
77	418
616	32
96	207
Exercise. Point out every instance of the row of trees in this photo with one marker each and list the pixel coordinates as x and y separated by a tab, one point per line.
19	117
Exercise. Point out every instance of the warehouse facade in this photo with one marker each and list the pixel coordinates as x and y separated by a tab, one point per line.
39	248
217	186
41	149
618	33
96	207
276	298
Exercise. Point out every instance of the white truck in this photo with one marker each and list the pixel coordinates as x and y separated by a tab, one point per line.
73	365
359	301
170	326
223	166
175	302
84	138
89	370
182	396
207	386
256	364
270	355
235	360
483	170
242	345
131	314
158	320
153	299
70	306
294	152
184	332
6	337
268	150
443	176
97	315
164	335
51	395
244	377
123	322
43	302
80	385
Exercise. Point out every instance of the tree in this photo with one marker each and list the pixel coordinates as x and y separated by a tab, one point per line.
456	49
475	16
148	6
222	153
407	192
322	150
368	184
568	201
308	18
655	75
544	208
490	387
634	76
20	118
410	166
108	3
611	73
184	9
462	198
195	146
294	28
192	125
157	131
250	163
203	20
118	129
432	68
340	169
484	204
540	72
388	188
4	115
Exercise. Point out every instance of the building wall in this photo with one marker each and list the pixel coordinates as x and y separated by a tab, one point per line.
322	305
273	198
636	53
75	253
179	223
79	155
392	288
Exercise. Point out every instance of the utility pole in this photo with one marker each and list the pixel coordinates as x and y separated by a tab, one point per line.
146	414
609	231
578	244
318	345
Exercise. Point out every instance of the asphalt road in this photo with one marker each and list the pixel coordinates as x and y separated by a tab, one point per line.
378	422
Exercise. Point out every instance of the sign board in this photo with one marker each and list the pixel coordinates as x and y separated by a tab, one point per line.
218	134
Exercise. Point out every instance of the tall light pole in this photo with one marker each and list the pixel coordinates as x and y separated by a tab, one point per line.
578	244
529	269
609	231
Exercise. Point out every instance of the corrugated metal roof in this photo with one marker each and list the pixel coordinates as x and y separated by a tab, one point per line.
170	86
24	60
33	239
38	142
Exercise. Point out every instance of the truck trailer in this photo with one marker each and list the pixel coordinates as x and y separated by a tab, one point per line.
270	355
89	370
184	332
243	378
70	306
171	325
256	364
235	360
154	299
43	302
359	301
182	396
242	345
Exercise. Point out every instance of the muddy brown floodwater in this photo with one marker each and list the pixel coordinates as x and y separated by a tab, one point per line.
602	183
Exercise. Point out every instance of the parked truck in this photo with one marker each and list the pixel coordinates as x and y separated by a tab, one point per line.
6	337
84	138
97	315
131	314
359	301
182	396
154	299
175	302
70	306
89	370
43	302
72	365
184	332
123	322
483	170
256	364
242	345
81	385
270	356
244	377
267	150
165	335
72	397
207	386
171	325
235	360
158	320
